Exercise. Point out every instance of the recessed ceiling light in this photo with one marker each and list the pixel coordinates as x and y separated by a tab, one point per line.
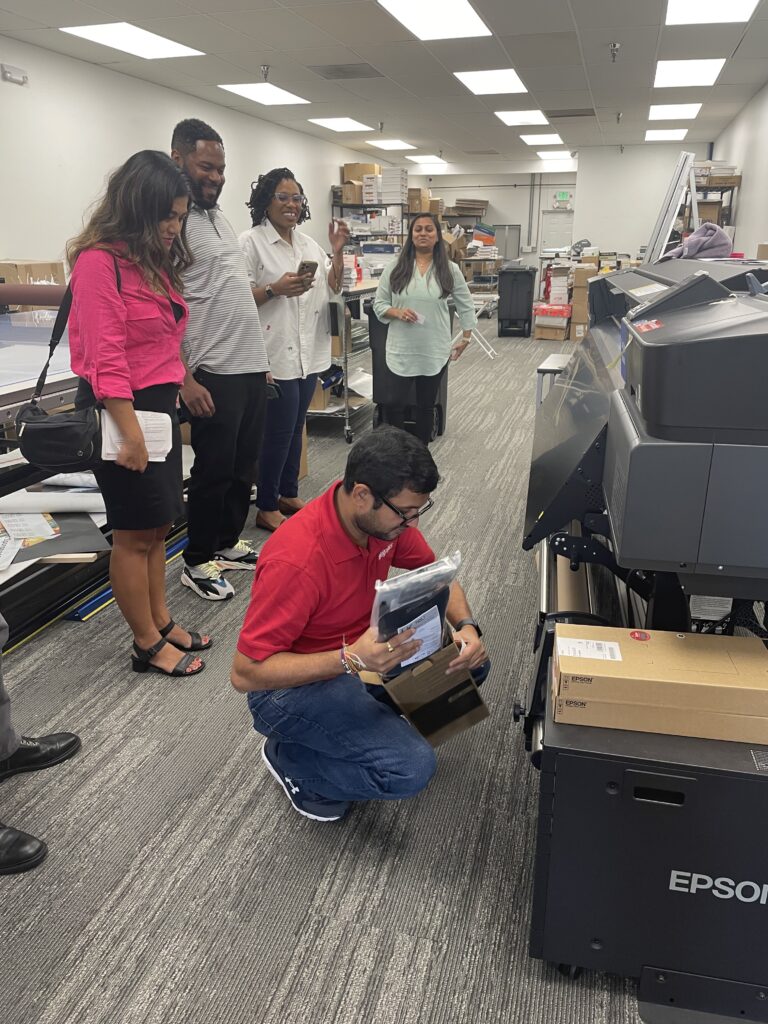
390	144
542	140
430	159
665	134
521	117
437	19
490	83
120	35
671	73
265	93
708	12
674	111
554	154
340	124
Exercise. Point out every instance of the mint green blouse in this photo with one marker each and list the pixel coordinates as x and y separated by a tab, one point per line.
415	350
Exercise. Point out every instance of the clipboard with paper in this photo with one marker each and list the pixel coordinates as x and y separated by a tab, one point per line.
416	600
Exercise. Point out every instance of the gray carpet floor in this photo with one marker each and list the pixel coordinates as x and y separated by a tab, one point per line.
180	885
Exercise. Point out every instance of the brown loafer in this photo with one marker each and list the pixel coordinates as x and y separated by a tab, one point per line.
289	506
264	524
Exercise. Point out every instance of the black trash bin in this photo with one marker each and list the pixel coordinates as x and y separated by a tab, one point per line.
516	299
384	381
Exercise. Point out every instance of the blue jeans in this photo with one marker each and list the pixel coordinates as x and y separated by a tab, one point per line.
281	447
342	740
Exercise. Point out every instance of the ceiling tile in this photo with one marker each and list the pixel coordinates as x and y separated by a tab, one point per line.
122	11
506	18
620	76
378	89
755	42
319	56
357	22
55	13
436	85
482	54
209	69
637	44
543	51
465	104
278	29
10	22
554	78
71	46
394	59
744	72
621	13
198	31
548	100
616	99
691	42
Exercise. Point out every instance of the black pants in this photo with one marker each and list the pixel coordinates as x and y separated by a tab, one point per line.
226	447
422	411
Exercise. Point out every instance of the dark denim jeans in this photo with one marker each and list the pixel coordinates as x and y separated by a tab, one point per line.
281	449
342	740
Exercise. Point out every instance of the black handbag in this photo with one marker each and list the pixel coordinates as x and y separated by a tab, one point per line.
67	442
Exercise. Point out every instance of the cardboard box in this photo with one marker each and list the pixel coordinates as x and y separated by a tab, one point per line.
710	210
418	200
439	706
356	172
321	398
724	180
32	272
578	331
338	343
582	274
762	251
580	305
352	192
713	674
550	333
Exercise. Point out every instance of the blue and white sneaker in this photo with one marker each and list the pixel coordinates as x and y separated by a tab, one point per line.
317	810
242	556
207	582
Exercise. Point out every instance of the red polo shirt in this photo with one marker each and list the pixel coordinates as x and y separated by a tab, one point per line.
313	588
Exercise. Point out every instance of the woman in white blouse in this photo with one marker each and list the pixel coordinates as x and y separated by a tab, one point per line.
412	297
295	319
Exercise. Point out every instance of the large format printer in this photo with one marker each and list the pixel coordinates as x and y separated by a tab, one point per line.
649	486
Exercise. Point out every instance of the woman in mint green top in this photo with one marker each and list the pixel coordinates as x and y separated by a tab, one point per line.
412	298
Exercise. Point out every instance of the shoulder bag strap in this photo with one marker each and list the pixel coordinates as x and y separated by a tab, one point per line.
58	330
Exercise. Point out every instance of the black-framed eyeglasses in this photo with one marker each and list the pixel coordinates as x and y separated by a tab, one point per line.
406	517
287	197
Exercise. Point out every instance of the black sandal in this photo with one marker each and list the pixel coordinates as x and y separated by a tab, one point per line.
141	663
197	641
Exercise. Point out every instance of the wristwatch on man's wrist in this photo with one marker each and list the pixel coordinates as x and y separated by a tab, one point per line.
467	622
270	291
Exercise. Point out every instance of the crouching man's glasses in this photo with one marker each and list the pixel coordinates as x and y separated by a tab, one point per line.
407	517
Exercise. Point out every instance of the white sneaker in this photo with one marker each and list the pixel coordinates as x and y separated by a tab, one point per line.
241	556
207	582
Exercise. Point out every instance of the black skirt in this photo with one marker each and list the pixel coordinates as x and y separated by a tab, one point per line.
144	501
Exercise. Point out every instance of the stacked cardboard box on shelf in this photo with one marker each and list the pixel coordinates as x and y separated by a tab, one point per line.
418	200
352	193
558	284
371	188
580	277
679	684
550	321
437	206
394	185
356	172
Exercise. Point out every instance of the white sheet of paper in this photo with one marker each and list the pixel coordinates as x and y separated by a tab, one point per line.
420	319
429	630
155	426
20	526
8	550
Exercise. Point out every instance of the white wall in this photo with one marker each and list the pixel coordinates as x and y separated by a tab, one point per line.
745	143
508	195
620	194
75	122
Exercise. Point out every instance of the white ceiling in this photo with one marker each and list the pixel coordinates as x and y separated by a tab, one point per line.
560	49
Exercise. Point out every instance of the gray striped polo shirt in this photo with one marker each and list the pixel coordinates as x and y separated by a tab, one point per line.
224	333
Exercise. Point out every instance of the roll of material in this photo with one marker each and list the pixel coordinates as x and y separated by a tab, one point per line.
31	294
51	501
572	592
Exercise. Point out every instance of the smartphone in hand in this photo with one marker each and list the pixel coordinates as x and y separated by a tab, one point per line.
307	268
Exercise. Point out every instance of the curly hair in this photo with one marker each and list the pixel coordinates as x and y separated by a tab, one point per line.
188	133
263	191
126	219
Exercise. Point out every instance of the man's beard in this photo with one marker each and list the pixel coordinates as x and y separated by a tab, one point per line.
201	200
364	524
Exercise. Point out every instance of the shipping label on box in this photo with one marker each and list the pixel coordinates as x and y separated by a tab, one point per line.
578	331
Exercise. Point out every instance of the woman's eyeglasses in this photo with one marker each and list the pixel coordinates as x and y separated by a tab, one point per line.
286	197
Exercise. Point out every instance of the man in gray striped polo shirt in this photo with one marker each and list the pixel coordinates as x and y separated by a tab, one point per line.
225	386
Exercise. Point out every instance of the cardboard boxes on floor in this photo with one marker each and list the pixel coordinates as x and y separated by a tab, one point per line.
550	321
679	684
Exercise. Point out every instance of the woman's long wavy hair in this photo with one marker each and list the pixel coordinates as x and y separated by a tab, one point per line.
263	190
403	272
126	220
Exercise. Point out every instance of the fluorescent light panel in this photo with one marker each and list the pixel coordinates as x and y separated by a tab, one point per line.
265	93
665	134
674	111
491	83
340	124
521	117
437	19
672	73
120	35
542	140
430	159
390	144
554	154
708	12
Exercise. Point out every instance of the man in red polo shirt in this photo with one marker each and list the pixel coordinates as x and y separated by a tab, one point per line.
331	739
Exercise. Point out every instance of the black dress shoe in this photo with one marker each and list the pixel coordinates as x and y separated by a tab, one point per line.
43	752
19	851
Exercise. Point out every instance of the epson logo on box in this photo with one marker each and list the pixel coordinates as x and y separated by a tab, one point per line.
570	703
582	679
722	888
